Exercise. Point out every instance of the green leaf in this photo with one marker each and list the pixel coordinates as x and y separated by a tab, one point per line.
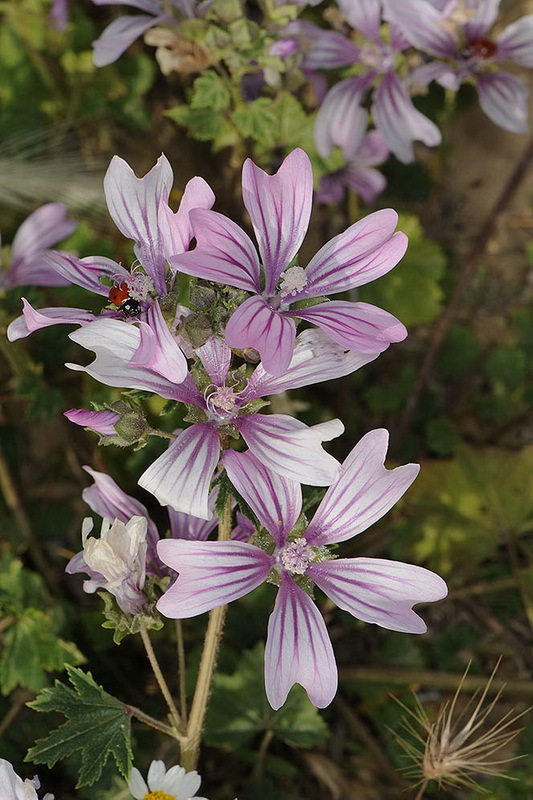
97	725
31	647
259	121
239	709
411	290
203	123
209	92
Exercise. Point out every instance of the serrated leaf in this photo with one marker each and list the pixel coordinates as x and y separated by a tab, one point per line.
209	92
203	123
239	709
258	121
98	725
411	290
31	648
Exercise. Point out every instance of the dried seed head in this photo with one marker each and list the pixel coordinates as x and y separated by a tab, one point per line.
455	747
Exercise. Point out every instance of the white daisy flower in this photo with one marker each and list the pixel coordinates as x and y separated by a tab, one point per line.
14	788
163	784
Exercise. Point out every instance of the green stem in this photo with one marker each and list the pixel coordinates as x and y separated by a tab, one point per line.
160	678
181	671
150	721
213	636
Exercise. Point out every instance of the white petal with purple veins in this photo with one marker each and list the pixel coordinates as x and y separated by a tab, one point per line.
280	207
86	272
298	649
181	477
504	99
41	229
276	501
363	493
423	26
210	574
363	252
115	344
360	326
398	120
379	591
134	205
341	120
290	448
516	42
158	349
316	358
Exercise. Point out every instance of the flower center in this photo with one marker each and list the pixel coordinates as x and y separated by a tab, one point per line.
480	49
376	57
294	280
159	796
296	556
139	285
222	399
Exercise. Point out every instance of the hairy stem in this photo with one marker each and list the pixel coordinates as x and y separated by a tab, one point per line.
181	671
213	636
160	678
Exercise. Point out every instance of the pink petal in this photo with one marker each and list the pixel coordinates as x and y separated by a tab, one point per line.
158	350
290	448
365	251
255	324
176	229
181	477
364	16
360	326
280	207
298	649
215	356
118	36
276	501
43	228
33	319
362	494
379	591
103	422
485	13
86	272
223	254
210	574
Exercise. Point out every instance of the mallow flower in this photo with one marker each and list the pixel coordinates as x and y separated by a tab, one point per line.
342	117
116	561
40	230
12	787
122	32
295	556
460	34
181	476
139	208
162	784
282	291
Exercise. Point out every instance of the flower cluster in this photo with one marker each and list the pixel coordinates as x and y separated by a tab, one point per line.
381	53
223	364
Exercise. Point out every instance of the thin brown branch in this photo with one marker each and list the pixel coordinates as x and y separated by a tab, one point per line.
466	274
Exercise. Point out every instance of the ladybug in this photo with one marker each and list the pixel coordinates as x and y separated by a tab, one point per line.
119	295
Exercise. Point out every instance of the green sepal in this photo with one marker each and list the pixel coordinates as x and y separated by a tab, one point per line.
125	624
